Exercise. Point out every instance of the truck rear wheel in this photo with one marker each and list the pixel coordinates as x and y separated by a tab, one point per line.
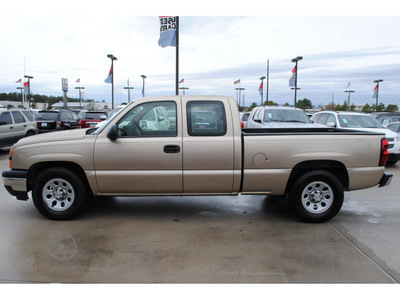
59	194
316	197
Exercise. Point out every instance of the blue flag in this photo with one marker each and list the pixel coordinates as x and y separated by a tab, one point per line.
168	27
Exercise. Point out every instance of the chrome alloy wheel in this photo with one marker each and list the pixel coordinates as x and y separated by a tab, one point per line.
317	197
58	194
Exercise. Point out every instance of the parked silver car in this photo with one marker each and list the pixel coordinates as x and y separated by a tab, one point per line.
279	117
14	125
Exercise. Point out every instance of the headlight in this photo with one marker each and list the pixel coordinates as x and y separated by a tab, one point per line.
398	137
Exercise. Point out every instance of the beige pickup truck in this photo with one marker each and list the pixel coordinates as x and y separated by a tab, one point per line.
193	145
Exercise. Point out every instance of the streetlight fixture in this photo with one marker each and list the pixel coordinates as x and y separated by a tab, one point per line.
240	92
112	57
29	88
377	92
262	89
144	77
295	60
80	95
348	98
184	88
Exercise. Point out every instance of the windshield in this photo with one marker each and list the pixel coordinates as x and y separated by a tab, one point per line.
286	115
359	121
47	115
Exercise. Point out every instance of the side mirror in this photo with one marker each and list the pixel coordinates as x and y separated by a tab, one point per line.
331	124
112	133
103	117
257	121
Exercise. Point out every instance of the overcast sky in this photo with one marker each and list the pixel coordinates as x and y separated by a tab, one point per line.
340	43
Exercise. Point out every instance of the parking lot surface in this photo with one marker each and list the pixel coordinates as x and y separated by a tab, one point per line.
243	239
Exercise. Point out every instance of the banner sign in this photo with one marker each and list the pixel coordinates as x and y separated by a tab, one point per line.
64	84
168	26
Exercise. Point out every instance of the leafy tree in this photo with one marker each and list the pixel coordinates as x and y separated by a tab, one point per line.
381	107
270	102
392	108
367	108
304	104
344	107
250	108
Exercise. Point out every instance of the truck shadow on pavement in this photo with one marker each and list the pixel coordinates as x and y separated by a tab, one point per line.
270	207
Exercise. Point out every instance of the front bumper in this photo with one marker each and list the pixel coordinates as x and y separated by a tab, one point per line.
15	182
386	179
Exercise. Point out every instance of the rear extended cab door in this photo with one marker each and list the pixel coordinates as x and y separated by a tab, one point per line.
211	145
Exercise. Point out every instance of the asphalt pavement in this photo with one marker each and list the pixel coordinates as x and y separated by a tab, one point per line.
243	239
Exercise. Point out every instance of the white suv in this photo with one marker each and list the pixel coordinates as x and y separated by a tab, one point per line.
14	125
279	117
360	121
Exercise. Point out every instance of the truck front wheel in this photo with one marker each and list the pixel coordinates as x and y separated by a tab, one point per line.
316	197
59	194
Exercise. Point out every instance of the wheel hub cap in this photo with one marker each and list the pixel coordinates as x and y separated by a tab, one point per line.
317	197
58	194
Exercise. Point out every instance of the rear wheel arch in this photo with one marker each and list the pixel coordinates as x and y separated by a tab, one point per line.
336	168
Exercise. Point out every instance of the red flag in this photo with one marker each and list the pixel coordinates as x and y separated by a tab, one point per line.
260	89
294	70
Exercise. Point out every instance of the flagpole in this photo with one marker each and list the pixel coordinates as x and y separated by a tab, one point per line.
267	81
177	58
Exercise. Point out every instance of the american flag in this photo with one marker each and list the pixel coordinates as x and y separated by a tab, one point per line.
237	81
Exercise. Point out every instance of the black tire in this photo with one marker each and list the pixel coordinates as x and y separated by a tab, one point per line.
316	197
59	194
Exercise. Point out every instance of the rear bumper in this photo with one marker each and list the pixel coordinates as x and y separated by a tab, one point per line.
15	182
394	157
386	179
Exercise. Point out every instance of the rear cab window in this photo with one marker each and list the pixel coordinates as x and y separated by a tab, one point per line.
206	118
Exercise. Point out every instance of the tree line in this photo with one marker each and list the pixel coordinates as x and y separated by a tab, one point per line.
36	98
307	104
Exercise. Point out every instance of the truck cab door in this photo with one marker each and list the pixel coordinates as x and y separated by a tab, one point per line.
142	159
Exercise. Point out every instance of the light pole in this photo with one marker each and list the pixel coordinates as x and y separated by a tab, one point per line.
29	88
22	95
240	92
184	88
377	92
144	77
80	95
262	88
129	88
112	57
295	60
348	98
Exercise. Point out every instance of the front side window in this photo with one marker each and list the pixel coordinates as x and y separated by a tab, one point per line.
206	118
152	119
5	118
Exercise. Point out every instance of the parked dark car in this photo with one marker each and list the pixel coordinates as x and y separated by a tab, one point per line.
52	120
89	119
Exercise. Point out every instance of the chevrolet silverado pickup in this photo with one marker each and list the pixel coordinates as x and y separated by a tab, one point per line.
193	145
